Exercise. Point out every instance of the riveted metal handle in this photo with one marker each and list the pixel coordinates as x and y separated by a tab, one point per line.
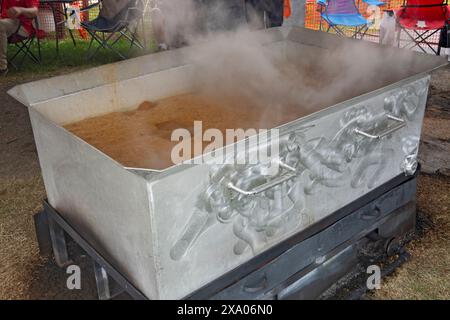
291	173
257	286
400	124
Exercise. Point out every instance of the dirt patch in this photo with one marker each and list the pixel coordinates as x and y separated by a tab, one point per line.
24	274
18	250
21	195
435	143
426	274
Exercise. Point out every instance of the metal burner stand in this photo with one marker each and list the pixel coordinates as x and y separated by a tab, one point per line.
301	267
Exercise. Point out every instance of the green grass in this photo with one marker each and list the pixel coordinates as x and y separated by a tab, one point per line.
71	57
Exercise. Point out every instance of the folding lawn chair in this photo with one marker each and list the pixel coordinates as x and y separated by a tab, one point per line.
341	14
24	45
374	2
107	33
422	19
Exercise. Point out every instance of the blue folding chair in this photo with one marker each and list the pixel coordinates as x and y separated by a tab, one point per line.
343	13
374	2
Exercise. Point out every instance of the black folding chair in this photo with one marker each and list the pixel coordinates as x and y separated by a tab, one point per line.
107	33
23	45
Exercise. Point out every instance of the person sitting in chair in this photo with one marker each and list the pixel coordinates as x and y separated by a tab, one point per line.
110	12
111	8
16	17
175	22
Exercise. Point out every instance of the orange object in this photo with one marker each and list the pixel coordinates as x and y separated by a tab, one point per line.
83	33
287	9
83	17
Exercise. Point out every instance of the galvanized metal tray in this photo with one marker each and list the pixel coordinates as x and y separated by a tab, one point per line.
165	230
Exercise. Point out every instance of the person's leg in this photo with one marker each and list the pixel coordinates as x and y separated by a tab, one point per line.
172	22
274	11
158	27
219	15
7	28
255	14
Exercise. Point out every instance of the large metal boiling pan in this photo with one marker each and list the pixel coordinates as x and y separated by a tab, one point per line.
174	230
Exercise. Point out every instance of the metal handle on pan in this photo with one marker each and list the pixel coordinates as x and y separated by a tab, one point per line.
292	172
388	131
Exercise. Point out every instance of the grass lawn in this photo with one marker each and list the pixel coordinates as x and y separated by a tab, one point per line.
70	57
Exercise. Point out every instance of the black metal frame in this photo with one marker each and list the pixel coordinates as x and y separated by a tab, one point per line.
420	38
359	206
23	46
109	38
362	215
51	229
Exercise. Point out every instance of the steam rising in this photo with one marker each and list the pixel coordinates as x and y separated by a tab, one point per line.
251	80
237	67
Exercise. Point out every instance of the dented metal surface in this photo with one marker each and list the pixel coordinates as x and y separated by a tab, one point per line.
170	232
345	160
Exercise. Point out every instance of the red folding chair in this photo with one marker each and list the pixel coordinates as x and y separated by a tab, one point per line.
421	20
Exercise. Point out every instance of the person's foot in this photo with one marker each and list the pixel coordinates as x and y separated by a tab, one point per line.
3	72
